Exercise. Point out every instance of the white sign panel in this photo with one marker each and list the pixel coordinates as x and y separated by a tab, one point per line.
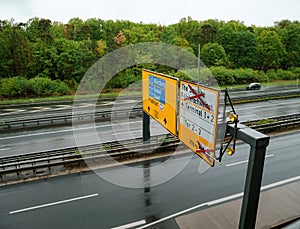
198	113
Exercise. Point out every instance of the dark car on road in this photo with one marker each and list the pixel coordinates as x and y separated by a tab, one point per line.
254	86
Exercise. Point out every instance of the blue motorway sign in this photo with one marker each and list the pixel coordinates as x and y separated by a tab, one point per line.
157	89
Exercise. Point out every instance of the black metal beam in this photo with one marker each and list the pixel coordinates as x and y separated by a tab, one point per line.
146	127
258	143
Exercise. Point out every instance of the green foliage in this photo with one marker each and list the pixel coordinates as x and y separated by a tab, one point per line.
213	54
237	76
240	45
265	121
224	76
34	87
286	75
14	87
271	50
64	52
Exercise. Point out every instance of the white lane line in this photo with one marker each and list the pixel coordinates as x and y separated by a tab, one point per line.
62	131
279	183
249	115
242	162
54	203
237	163
172	216
269	105
131	225
63	106
4	149
221	200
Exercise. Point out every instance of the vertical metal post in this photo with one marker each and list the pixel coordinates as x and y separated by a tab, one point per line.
258	143
199	64
253	184
146	127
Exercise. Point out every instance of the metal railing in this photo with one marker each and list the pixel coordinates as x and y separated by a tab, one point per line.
68	156
274	123
125	149
52	120
66	119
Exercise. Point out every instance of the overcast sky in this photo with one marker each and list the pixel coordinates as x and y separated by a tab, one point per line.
165	12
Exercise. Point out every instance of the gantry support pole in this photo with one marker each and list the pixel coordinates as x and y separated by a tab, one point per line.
146	127
258	143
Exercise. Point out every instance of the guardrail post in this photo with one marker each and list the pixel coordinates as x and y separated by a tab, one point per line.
146	127
258	143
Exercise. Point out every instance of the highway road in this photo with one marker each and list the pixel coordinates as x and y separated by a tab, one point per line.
65	107
88	201
54	138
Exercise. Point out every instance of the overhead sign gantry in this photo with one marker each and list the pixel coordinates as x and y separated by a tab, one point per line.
197	128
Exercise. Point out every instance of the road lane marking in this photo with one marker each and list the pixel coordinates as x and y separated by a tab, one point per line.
131	225
237	163
4	149
63	131
221	200
269	105
243	162
279	183
53	203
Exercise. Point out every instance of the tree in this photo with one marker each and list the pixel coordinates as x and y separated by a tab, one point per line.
240	45
208	34
15	51
246	45
190	30
290	34
271	50
73	58
168	35
213	54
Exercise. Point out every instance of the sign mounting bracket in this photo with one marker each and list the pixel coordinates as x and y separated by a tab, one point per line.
233	119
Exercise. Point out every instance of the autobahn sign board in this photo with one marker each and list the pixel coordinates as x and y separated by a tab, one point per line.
198	113
160	98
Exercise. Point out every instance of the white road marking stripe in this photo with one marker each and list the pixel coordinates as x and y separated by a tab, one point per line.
4	149
242	162
173	216
269	186
11	112
61	131
221	200
237	163
269	105
249	115
63	106
130	225
52	204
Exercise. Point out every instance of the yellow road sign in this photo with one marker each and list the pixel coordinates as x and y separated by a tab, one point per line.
198	113
160	99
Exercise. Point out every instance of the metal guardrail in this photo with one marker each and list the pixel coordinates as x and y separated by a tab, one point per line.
129	148
263	96
274	123
14	124
68	156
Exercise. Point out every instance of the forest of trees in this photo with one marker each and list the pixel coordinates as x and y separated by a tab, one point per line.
41	57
